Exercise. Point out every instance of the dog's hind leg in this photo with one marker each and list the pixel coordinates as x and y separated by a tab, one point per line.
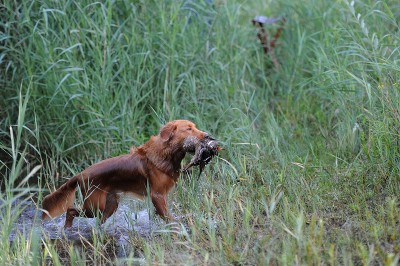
111	206
71	214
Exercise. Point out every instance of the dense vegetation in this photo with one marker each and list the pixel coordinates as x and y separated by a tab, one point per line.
309	173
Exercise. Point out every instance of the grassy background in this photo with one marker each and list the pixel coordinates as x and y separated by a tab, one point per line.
311	150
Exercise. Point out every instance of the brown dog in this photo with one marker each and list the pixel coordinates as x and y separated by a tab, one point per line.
154	166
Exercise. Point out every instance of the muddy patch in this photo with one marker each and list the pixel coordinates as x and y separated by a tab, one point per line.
130	223
126	219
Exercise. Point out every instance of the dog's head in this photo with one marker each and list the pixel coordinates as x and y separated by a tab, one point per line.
177	131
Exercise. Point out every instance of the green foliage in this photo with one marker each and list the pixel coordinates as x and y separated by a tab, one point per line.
309	173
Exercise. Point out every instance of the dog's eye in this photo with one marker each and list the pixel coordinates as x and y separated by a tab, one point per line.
189	128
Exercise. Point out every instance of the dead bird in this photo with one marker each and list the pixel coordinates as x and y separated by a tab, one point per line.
204	151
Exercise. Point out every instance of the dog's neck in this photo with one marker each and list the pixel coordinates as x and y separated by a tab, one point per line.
167	159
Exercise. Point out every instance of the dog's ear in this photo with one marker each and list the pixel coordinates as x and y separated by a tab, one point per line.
167	131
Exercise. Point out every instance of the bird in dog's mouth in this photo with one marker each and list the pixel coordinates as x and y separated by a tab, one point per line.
204	151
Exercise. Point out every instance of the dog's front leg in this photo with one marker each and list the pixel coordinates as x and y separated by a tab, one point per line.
160	203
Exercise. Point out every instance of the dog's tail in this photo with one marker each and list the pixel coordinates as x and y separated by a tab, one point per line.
59	201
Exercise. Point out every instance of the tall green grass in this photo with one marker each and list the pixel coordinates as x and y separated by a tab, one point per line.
309	173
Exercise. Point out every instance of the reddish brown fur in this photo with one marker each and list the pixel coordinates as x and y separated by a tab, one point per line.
156	162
